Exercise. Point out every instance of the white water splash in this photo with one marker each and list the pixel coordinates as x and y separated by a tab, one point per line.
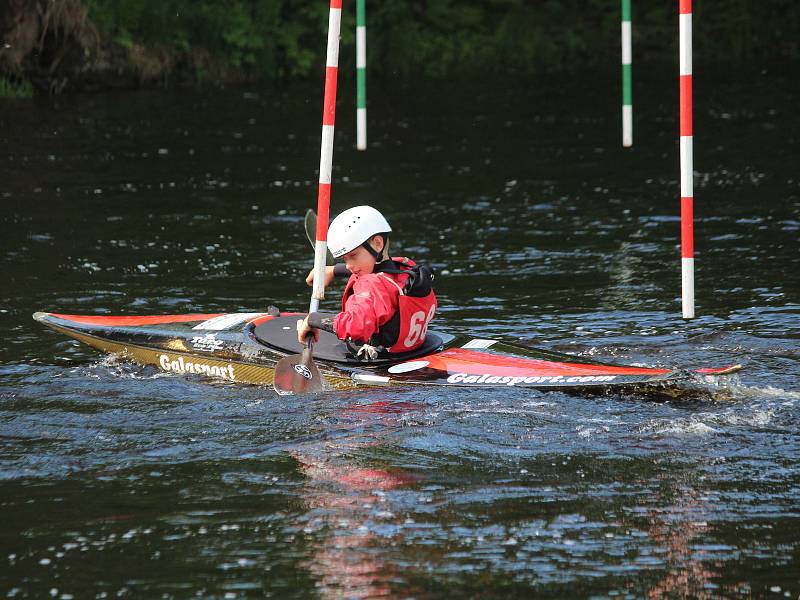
687	427
741	391
587	432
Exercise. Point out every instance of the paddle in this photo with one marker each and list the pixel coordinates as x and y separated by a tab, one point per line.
310	224
298	373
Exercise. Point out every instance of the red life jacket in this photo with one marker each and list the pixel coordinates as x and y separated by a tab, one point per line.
416	302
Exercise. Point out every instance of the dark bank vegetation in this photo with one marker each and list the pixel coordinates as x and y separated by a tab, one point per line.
58	45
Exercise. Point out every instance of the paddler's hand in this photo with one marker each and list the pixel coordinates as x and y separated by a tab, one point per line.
304	330
328	276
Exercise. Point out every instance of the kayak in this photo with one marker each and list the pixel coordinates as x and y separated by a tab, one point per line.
245	348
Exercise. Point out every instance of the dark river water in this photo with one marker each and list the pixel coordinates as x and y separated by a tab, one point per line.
120	481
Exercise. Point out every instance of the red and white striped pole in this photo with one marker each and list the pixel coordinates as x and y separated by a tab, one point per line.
687	159
326	154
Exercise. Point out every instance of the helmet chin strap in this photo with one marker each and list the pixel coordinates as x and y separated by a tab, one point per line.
378	256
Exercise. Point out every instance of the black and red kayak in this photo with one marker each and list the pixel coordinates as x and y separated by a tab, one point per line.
245	347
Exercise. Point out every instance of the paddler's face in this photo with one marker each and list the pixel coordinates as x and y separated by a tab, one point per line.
360	261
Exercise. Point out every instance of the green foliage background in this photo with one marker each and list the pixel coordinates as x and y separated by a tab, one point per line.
265	38
11	88
268	39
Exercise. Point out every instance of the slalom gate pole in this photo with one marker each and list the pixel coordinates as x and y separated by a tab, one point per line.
627	88
361	75
687	159
326	154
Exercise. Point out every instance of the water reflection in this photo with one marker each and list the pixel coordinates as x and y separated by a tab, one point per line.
349	504
676	532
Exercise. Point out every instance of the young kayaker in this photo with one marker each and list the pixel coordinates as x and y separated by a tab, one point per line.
387	302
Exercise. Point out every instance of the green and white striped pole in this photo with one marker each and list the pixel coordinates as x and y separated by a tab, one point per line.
627	93
361	76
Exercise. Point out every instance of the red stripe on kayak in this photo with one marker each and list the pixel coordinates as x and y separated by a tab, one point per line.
686	105
259	320
459	360
684	7
329	105
687	227
134	320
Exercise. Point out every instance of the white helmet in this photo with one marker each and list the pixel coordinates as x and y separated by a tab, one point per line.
353	227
